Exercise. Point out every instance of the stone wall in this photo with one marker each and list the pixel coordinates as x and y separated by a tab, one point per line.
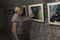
37	30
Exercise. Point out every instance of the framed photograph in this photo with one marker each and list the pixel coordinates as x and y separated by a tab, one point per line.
9	11
54	13
37	11
24	13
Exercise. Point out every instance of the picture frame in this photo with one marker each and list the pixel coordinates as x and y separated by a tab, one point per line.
54	13
9	11
37	11
24	13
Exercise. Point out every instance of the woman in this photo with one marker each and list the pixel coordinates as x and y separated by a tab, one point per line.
17	21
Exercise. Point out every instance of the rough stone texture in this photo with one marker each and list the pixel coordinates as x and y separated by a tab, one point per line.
36	30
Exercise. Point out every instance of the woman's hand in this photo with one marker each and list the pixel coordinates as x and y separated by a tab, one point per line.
31	15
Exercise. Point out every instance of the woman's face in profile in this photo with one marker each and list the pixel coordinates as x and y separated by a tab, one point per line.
19	11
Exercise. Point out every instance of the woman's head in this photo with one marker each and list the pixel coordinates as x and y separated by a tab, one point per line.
18	10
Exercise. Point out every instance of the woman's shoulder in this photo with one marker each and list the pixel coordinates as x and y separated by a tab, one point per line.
14	16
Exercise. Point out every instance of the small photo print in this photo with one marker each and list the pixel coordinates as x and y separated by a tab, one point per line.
54	13
24	13
37	11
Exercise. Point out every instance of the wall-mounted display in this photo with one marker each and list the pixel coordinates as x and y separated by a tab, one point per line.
24	13
54	13
37	11
9	11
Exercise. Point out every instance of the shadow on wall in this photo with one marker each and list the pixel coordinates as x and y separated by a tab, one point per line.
4	32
